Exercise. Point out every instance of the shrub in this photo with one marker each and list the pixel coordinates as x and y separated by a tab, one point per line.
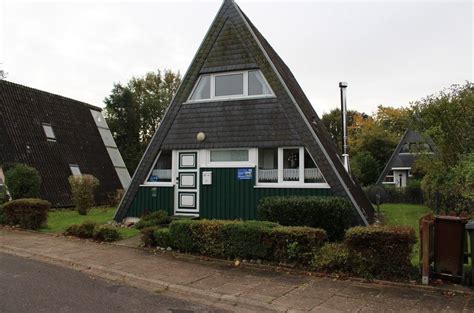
182	236
333	214
106	233
332	257
365	168
158	218
23	181
295	243
147	236
208	237
83	188
246	239
28	213
383	252
162	237
84	230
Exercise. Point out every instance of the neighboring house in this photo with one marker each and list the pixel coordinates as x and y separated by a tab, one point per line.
397	171
239	129
59	137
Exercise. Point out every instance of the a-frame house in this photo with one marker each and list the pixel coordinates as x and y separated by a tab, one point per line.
239	128
397	171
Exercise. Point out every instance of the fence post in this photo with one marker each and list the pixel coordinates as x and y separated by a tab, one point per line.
425	252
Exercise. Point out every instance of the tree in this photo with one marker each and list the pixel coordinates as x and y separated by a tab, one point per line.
134	111
333	123
448	118
392	120
367	136
365	168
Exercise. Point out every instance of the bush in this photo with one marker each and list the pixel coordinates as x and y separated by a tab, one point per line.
23	182
246	240
332	257
82	188
412	193
28	213
333	214
106	233
365	168
84	230
295	243
383	252
182	236
147	236
158	218
162	237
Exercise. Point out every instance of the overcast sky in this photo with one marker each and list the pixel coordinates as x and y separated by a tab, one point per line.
390	53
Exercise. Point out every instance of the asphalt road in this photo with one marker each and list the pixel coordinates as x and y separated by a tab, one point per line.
31	286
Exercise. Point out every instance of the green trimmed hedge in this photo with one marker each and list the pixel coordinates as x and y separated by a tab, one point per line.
106	233
238	239
333	214
382	252
28	213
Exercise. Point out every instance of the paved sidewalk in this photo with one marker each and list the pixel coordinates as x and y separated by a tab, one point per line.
247	288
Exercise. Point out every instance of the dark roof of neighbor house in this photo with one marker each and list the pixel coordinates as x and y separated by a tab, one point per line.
233	43
398	159
23	111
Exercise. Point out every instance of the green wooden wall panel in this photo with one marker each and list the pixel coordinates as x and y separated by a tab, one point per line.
145	202
230	198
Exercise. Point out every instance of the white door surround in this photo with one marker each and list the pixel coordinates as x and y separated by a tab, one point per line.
187	183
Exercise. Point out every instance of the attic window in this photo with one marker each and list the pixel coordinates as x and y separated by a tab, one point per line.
161	172
230	86
49	132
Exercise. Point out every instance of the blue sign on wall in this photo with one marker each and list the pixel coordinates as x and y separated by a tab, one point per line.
244	173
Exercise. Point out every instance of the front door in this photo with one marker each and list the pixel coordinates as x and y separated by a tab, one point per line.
187	184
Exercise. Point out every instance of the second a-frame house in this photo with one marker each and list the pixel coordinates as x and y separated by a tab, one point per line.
239	129
397	171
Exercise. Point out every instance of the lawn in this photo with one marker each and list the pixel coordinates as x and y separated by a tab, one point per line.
59	220
406	215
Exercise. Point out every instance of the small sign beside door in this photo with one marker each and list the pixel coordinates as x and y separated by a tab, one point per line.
244	173
207	178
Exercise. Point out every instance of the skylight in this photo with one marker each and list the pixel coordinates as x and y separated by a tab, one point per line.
49	132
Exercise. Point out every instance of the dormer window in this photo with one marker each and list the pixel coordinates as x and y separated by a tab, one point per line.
49	132
230	86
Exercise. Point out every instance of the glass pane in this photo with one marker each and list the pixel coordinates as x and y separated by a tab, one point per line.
75	170
229	155
48	130
228	85
268	165
162	170
312	174
257	85
203	89
291	165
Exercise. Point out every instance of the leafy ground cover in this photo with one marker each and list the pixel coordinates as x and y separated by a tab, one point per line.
59	220
406	215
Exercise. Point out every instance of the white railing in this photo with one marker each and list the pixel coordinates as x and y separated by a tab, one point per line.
289	174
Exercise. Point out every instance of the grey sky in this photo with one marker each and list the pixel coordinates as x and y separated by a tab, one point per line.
390	53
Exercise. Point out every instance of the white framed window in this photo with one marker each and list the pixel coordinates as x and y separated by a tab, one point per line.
287	167
228	157
231	86
162	171
49	132
75	170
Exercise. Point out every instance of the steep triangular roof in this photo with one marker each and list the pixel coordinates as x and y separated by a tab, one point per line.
404	159
231	43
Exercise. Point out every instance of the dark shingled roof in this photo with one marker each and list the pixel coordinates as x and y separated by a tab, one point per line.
23	110
233	43
399	159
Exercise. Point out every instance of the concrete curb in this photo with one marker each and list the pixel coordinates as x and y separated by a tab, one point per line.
141	282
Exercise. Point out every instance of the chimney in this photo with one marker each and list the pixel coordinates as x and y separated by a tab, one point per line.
345	144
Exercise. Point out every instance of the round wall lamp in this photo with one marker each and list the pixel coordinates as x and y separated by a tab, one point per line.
201	136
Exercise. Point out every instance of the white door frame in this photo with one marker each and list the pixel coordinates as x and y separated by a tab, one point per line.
187	183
